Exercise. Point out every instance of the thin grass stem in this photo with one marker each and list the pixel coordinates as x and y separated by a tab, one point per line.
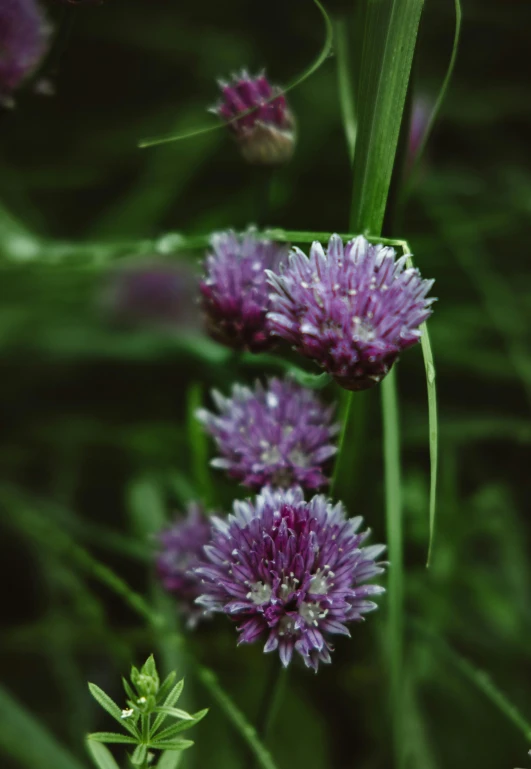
393	504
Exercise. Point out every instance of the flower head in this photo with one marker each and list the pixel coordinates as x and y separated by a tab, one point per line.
235	294
181	550
153	292
279	435
24	37
351	308
258	116
290	570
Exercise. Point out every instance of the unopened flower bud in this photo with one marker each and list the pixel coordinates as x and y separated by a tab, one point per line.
258	116
24	36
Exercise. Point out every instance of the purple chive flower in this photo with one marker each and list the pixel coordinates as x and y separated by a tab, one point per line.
153	292
235	293
279	435
181	550
351	308
24	36
290	570
258	116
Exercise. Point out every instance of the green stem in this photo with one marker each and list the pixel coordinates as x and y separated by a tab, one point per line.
271	699
345	407
393	504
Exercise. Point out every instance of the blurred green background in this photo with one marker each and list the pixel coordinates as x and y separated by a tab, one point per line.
95	439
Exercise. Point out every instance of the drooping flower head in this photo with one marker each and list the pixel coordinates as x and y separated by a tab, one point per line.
351	308
235	293
279	435
181	550
24	35
290	571
152	292
258	116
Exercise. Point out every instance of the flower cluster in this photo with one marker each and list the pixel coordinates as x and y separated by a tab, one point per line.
235	293
258	116
24	35
279	435
181	549
350	308
290	570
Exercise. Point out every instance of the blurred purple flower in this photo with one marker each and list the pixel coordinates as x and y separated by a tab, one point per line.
153	292
350	308
181	550
258	116
235	293
24	36
292	570
420	118
279	435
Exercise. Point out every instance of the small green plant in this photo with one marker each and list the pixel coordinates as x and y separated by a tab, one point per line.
149	703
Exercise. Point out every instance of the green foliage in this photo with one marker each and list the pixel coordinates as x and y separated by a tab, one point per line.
96	436
149	704
389	40
23	737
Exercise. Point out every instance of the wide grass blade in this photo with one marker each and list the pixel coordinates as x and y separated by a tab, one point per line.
389	45
101	755
170	759
27	741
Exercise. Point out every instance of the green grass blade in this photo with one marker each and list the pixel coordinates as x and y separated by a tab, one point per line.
27	741
346	93
319	61
43	530
198	441
442	93
56	253
433	421
481	680
170	759
389	45
393	506
101	755
236	717
344	410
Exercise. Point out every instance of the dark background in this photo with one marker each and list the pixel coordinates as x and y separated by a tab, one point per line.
95	439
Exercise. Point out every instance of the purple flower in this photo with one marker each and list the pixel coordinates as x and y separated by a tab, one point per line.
279	435
420	118
352	309
24	36
258	116
181	551
291	570
153	292
235	293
